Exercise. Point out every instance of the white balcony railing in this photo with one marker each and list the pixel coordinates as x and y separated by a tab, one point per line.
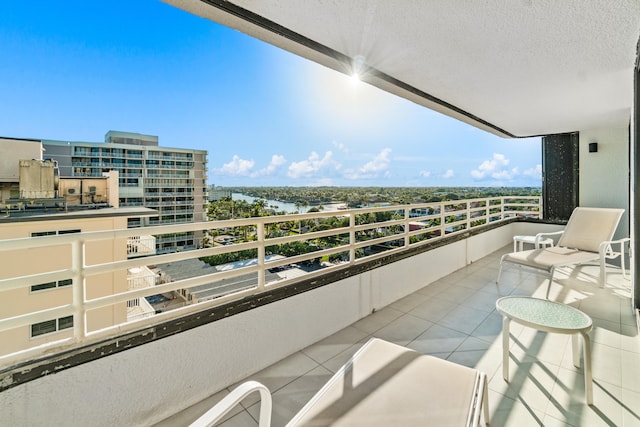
347	237
139	308
141	246
140	278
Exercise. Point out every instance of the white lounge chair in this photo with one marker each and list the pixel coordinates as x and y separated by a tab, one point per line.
383	384
586	238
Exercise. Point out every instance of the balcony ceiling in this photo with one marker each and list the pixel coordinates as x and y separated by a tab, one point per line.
512	67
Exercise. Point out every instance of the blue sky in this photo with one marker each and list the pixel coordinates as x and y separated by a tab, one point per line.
73	70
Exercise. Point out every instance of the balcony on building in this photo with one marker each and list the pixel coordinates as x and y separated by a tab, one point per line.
141	246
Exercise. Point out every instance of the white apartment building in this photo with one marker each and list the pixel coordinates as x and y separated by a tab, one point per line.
169	180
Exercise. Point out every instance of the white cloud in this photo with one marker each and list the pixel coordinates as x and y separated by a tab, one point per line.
448	174
340	146
495	168
379	163
425	174
376	167
236	167
312	165
504	174
276	161
535	172
501	175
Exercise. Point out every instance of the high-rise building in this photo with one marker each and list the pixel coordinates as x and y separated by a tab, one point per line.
169	180
35	202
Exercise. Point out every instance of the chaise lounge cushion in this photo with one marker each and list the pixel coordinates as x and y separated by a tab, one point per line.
547	258
389	385
588	227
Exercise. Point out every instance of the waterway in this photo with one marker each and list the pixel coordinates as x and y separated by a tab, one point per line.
284	206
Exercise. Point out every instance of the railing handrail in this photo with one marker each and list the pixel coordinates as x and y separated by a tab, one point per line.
393	234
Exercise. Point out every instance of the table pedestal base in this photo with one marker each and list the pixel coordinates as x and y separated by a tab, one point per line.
575	347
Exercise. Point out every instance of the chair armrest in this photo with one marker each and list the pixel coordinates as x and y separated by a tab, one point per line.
541	236
220	409
552	233
606	249
622	241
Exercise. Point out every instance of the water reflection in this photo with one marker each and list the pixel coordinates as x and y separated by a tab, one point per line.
285	206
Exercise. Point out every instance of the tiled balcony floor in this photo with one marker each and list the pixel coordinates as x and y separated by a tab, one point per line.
455	318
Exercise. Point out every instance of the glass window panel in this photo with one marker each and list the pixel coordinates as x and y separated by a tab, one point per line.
65	322
43	328
43	286
65	282
69	231
43	233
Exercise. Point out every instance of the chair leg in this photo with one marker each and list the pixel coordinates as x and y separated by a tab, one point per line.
553	270
500	270
622	263
603	272
485	401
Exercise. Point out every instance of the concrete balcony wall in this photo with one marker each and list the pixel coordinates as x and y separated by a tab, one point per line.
147	383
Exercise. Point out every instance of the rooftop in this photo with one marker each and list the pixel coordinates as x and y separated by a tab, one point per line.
75	212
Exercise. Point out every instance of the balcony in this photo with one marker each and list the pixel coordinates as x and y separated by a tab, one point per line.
454	318
428	289
139	308
152	173
140	278
141	246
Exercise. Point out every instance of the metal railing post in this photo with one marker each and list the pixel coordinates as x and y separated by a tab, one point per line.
407	227
540	207
352	238
261	255
442	220
77	265
487	211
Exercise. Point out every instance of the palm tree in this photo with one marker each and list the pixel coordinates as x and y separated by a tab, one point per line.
257	207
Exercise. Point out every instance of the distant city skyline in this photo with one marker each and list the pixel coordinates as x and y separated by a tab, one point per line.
75	70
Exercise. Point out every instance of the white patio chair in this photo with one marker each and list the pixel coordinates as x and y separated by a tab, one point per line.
586	238
383	384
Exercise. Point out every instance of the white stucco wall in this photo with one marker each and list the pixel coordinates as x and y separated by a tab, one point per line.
606	170
148	383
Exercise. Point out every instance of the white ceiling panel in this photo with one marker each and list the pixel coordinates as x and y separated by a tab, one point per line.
512	67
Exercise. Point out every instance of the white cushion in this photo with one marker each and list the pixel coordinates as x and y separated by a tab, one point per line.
588	227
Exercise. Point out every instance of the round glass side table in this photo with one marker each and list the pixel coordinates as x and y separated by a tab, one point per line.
548	316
